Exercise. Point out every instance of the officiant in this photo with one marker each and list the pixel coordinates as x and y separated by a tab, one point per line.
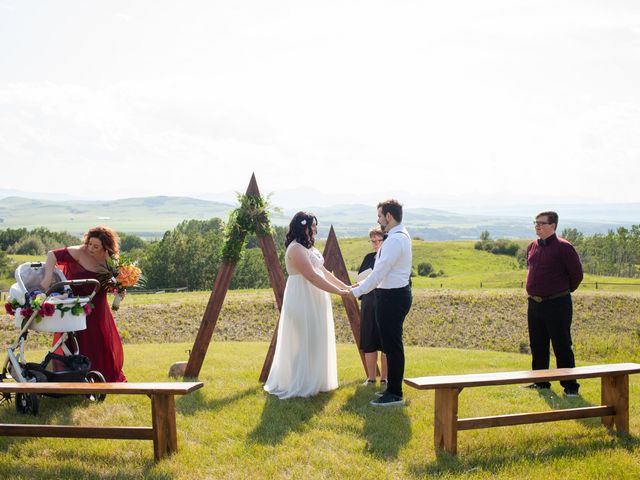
370	342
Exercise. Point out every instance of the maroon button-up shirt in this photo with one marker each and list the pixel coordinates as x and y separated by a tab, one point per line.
554	267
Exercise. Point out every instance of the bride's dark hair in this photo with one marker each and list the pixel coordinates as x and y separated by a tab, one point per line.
300	229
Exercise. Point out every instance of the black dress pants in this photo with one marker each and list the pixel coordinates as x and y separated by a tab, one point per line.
550	321
392	306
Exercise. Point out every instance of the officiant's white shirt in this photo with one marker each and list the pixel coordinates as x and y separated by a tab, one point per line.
393	263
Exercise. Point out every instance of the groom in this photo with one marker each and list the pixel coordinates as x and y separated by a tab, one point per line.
390	279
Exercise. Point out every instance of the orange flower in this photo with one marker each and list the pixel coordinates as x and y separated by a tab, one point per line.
128	276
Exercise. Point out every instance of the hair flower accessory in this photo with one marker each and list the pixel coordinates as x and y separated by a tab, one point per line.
303	222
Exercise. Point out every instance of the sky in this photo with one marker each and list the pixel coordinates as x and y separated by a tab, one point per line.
507	100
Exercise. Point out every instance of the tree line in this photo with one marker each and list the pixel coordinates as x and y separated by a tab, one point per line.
187	256
615	254
190	254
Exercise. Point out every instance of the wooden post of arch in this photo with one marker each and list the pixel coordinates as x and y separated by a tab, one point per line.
334	262
220	288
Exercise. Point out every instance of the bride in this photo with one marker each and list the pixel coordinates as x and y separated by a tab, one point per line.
305	358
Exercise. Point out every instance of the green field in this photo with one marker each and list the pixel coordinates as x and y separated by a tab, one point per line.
232	430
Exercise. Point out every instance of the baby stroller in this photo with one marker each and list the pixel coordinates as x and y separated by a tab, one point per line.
55	311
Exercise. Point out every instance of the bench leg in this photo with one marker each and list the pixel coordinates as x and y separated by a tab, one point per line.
163	413
446	420
615	392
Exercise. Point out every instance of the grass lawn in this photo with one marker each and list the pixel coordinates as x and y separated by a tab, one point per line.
232	429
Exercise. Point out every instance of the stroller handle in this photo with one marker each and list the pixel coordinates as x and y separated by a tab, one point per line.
87	281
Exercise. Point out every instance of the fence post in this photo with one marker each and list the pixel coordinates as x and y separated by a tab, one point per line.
480	284
596	285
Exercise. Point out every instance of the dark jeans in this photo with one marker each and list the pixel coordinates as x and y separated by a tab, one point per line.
550	320
392	306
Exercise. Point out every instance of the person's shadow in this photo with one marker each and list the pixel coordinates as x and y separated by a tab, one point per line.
281	417
386	429
557	402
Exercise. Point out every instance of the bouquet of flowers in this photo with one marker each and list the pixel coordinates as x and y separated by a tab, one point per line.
119	275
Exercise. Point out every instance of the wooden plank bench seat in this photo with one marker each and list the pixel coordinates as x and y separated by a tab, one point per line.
614	410
163	412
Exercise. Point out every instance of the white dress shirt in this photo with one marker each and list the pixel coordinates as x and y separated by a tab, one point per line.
393	263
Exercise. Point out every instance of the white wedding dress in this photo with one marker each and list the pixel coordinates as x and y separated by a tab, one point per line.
305	358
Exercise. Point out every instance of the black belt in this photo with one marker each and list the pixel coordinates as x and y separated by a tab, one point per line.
382	291
538	299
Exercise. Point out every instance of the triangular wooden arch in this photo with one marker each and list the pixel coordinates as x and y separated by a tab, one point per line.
333	262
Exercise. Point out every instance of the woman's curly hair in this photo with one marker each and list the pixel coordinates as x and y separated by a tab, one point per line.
109	239
300	229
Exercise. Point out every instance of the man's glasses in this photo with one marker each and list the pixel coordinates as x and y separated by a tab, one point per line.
535	222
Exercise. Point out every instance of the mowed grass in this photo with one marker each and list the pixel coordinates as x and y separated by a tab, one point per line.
232	429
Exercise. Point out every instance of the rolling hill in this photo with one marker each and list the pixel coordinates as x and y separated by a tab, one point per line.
151	216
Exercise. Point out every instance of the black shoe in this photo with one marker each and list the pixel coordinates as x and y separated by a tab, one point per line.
380	393
538	386
387	400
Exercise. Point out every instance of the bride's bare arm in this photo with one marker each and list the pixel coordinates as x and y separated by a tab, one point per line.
300	260
331	278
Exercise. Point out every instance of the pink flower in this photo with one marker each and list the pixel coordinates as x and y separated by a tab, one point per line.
26	311
87	308
47	309
9	308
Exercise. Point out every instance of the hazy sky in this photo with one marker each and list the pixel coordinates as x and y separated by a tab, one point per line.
534	99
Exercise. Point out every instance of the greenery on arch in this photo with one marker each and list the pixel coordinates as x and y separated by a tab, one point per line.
252	216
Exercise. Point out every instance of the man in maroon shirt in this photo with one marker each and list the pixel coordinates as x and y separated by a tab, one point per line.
554	271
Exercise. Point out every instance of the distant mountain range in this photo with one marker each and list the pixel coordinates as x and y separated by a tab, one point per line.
152	216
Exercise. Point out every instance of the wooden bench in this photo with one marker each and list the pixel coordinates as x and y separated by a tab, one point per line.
163	412
614	409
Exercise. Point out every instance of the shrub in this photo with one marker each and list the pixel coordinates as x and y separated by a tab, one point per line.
424	269
30	245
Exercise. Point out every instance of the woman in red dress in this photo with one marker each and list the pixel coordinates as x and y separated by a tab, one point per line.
100	342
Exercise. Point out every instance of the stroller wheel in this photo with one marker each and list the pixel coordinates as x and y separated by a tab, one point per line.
27	403
95	377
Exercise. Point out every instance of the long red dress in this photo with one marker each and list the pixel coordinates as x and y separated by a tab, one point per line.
100	342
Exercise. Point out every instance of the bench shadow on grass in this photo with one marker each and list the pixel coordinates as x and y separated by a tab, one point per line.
509	453
281	417
60	411
386	429
195	401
